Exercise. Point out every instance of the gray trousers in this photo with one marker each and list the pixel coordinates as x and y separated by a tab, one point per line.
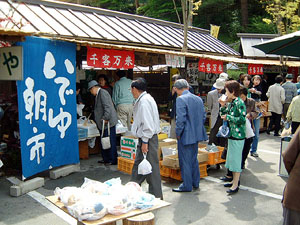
153	179
290	217
124	112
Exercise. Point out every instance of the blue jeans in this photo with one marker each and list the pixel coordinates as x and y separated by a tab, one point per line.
256	137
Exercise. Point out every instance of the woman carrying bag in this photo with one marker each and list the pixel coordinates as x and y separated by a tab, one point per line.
233	110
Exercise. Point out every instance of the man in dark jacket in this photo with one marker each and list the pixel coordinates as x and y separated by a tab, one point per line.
104	112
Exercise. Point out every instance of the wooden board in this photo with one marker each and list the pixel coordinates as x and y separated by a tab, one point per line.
110	218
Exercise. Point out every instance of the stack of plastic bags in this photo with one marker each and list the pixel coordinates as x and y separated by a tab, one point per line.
94	199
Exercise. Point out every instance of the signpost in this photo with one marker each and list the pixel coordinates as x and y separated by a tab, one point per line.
11	63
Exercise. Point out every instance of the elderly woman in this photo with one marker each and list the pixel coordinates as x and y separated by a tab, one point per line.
103	82
233	110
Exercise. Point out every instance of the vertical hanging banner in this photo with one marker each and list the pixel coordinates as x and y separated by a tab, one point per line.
255	69
210	66
47	105
175	61
109	58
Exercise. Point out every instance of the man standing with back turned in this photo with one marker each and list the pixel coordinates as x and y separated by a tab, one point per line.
146	127
190	117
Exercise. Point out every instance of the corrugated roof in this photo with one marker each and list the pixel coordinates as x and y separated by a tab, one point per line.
71	21
249	40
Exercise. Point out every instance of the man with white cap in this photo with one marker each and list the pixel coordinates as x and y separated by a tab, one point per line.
213	108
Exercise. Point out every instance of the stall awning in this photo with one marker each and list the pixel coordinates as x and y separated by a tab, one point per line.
72	21
187	54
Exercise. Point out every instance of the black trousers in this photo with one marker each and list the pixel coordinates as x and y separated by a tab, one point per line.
213	132
295	125
275	120
246	149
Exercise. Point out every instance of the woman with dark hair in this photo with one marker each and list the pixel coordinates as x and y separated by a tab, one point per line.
233	110
103	82
246	81
256	92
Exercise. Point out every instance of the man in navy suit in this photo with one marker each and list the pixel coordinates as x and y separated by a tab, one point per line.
190	117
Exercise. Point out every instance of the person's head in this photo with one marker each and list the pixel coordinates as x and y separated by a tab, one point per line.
240	76
232	88
243	93
223	76
246	79
176	77
256	80
278	79
121	73
181	85
219	84
102	80
93	87
78	87
298	79
138	86
289	77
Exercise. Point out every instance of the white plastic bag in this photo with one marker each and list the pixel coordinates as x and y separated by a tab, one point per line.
144	167
105	141
249	130
1	163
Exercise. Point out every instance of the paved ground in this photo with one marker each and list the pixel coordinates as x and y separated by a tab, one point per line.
258	201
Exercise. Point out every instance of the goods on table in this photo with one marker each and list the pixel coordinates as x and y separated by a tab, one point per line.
94	199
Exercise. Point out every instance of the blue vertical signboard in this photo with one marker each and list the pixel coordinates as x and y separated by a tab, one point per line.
47	105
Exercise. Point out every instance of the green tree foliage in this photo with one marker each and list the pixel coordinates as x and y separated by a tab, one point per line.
127	6
284	14
224	13
161	9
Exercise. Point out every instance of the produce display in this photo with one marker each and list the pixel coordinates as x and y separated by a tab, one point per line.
94	199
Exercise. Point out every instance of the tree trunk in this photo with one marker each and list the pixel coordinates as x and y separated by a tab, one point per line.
186	14
137	5
244	13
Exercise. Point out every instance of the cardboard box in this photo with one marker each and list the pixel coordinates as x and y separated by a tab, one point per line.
169	150
202	156
171	161
164	143
128	146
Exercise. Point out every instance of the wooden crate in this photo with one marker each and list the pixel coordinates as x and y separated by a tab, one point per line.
125	165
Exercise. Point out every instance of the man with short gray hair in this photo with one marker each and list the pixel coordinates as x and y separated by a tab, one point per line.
190	117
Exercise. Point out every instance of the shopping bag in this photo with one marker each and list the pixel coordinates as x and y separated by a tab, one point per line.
144	167
105	141
249	130
223	130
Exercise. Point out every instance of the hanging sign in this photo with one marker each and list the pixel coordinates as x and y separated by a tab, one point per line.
47	105
109	58
210	66
11	63
175	61
255	69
